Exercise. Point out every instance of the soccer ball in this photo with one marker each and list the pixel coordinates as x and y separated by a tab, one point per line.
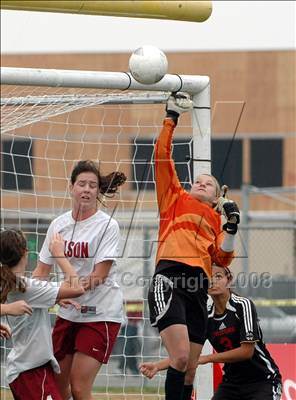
148	64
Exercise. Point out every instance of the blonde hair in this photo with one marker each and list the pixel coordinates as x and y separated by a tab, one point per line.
217	184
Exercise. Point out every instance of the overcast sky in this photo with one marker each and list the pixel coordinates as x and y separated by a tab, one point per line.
233	25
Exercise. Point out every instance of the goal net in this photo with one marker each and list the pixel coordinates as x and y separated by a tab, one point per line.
45	131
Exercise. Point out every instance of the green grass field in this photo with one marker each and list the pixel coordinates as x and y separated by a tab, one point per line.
114	394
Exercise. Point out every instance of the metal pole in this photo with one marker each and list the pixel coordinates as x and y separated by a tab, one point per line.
195	11
99	80
146	275
245	224
201	124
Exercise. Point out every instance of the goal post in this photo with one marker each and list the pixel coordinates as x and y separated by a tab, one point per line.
52	118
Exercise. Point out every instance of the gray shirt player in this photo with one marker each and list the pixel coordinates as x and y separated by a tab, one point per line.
31	334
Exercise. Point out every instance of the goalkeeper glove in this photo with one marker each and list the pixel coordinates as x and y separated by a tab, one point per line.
178	103
231	212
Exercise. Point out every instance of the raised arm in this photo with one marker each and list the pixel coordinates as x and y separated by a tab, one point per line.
168	186
54	248
71	286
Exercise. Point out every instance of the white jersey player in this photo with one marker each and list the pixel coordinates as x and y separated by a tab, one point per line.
83	339
31	359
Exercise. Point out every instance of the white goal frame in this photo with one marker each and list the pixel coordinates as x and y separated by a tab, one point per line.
197	86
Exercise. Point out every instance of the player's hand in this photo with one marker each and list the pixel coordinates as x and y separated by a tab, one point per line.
87	282
65	303
148	369
5	331
177	104
19	307
56	245
231	212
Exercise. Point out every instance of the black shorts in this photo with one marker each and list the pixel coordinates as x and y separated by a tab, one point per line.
178	295
256	391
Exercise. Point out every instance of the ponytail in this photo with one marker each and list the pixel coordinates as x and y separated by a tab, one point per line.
9	282
110	183
13	247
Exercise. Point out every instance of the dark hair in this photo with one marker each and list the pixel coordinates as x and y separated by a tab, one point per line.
107	184
228	273
229	276
13	246
226	270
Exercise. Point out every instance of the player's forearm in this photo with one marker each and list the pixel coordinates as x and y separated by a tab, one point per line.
98	276
164	141
168	186
70	274
4	309
229	356
42	271
16	308
93	280
162	364
228	242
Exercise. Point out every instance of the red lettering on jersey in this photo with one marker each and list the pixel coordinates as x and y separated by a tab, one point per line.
70	249
226	343
84	250
77	250
225	331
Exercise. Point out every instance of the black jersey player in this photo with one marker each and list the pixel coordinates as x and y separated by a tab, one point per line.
235	334
250	373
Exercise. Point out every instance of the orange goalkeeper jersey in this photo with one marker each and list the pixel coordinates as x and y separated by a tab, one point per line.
189	230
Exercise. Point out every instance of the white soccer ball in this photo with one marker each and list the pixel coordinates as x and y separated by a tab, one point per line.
148	64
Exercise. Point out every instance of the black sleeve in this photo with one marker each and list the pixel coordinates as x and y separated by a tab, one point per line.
249	329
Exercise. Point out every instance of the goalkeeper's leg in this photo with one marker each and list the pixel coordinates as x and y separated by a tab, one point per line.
183	360
176	341
195	350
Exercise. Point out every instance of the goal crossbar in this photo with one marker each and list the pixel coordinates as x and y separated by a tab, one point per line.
99	80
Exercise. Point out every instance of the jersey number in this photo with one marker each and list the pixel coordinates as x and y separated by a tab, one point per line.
226	343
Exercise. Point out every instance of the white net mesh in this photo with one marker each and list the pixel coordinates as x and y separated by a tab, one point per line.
44	133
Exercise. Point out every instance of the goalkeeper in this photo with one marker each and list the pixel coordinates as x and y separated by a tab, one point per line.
190	240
